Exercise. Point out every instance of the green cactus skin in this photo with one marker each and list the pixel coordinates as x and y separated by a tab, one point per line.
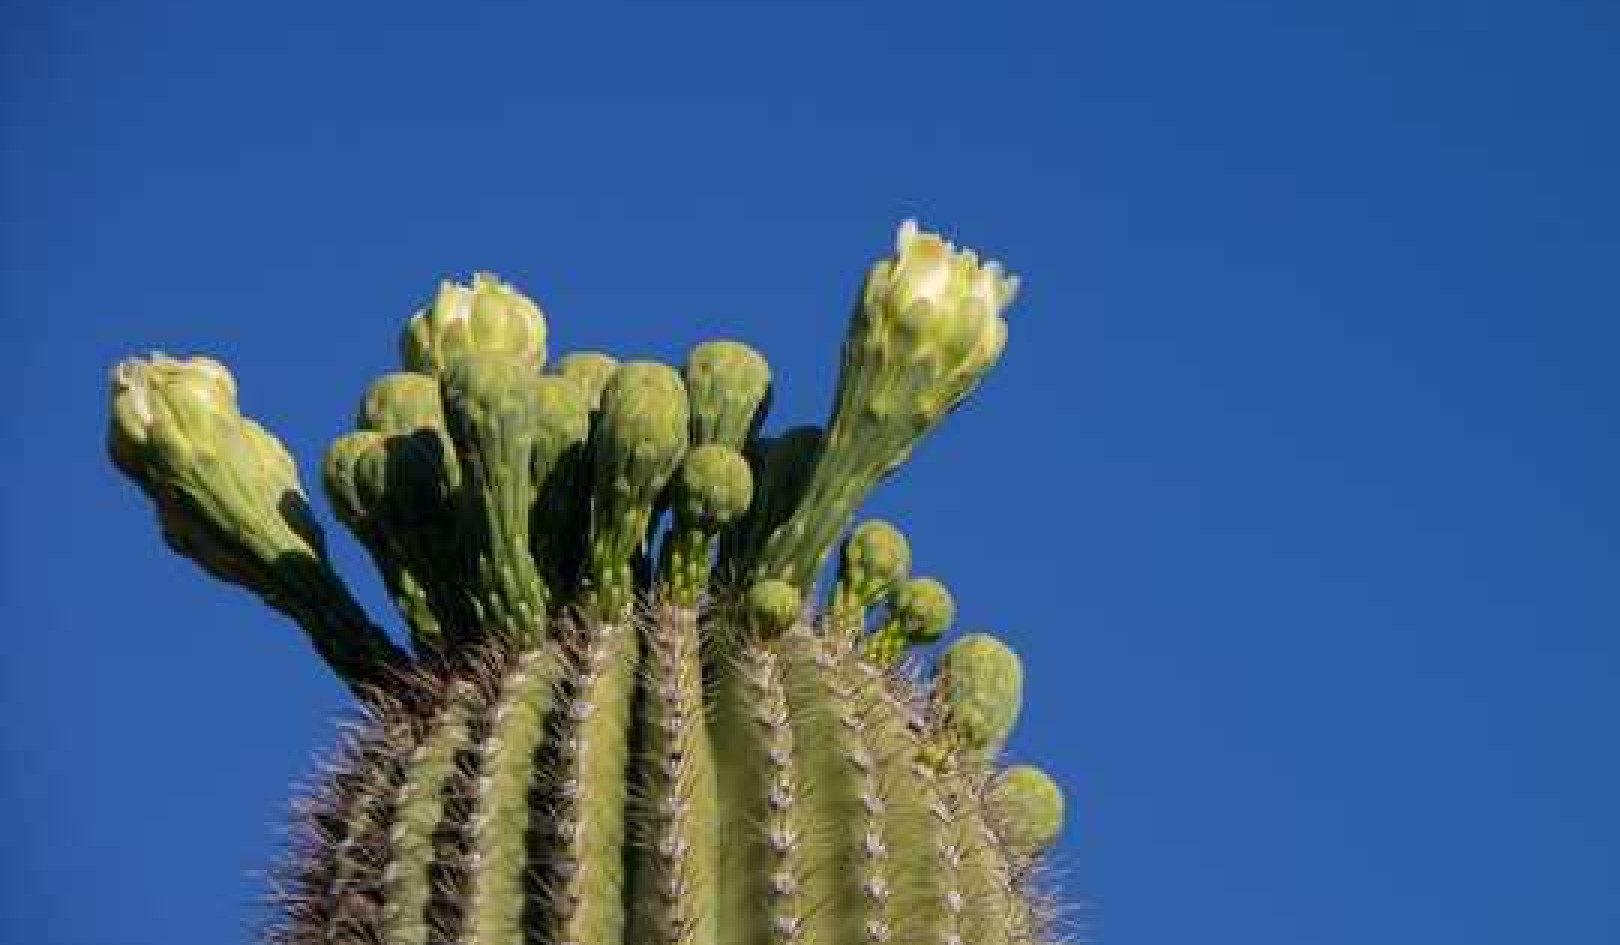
594	744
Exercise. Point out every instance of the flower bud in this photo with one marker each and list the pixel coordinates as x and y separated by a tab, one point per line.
168	413
923	608
729	384
355	478
493	408
640	437
407	406
402	402
979	690
489	316
218	477
772	607
227	496
713	488
926	330
876	557
590	371
561	427
920	610
1027	806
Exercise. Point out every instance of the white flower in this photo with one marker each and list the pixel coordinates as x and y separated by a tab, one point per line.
928	268
166	403
488	316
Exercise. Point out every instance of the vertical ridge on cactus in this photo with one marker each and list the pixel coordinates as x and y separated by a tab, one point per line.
625	716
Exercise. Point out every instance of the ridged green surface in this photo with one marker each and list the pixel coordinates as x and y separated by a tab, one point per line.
626	716
779	800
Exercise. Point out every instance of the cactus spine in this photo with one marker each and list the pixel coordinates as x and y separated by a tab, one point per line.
621	718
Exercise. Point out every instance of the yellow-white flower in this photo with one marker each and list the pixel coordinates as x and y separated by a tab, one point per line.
943	301
164	409
928	327
487	316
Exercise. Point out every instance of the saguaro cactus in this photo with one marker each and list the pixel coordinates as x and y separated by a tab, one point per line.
621	718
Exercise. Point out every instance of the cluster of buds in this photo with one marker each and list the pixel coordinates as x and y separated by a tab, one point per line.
612	566
493	492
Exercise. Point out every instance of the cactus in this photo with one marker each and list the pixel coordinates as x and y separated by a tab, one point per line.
623	716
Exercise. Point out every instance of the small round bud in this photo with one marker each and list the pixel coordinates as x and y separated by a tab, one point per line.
590	371
713	488
772	606
642	430
354	474
876	556
489	316
638	441
923	608
562	419
980	690
728	382
1028	807
401	402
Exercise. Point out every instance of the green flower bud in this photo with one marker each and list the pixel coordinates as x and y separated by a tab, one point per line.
919	612
928	327
408	405
772	607
562	425
1028	808
876	557
493	406
355	477
640	437
562	421
590	371
979	690
487	317
714	487
923	608
401	402
227	496
730	384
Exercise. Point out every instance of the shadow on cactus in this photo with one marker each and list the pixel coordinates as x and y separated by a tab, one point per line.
622	718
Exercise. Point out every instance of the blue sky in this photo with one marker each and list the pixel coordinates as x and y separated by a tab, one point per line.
1296	487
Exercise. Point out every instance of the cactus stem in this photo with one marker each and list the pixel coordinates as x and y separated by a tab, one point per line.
501	821
414	845
991	913
764	854
357	830
587	880
678	859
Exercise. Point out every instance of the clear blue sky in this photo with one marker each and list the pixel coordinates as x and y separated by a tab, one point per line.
1296	487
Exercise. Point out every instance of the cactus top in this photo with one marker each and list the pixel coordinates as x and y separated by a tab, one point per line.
608	576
